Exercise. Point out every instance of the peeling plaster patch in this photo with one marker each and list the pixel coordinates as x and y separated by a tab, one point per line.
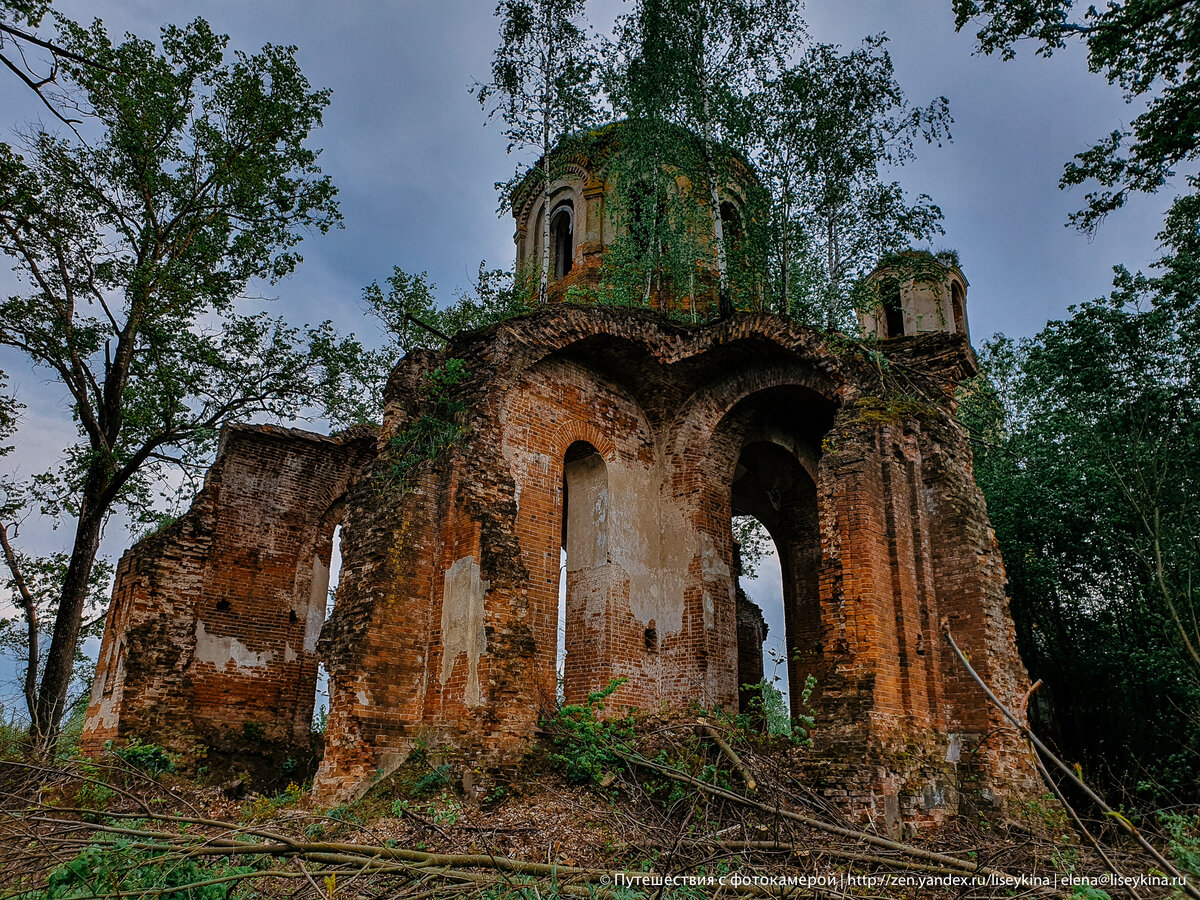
318	598
587	513
647	542
362	698
462	624
105	716
289	655
221	651
711	564
713	568
954	750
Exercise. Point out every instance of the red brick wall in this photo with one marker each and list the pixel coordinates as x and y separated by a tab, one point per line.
211	635
444	629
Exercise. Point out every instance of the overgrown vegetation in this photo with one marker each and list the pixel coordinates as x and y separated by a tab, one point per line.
667	797
588	743
118	866
134	250
1087	447
431	432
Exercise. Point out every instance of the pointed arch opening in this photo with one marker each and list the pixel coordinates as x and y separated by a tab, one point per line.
771	486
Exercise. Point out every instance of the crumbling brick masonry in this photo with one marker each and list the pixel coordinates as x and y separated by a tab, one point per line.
630	441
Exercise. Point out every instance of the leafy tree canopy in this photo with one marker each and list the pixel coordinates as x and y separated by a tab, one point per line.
134	237
832	125
1151	48
1089	455
542	86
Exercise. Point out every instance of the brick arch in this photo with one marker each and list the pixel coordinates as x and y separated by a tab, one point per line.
701	451
701	417
579	430
556	403
521	343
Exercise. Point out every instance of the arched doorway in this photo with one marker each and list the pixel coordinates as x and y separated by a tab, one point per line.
583	595
771	485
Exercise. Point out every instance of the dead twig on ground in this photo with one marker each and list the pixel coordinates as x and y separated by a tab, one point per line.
1188	888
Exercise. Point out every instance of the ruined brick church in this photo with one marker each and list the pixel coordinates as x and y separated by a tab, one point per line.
628	438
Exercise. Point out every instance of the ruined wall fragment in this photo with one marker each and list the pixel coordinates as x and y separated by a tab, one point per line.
211	636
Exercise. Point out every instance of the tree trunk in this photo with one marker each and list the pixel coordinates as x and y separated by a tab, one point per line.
60	660
544	283
724	300
787	274
29	609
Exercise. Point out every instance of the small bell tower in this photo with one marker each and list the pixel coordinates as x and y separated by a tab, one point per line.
916	292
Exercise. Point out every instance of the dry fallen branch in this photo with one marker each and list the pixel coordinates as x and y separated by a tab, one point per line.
333	858
818	825
735	760
1188	888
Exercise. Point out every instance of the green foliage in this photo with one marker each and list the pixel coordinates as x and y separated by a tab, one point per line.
1087	447
754	543
23	12
13	737
134	250
436	778
829	126
112	867
1150	49
432	432
695	67
543	85
1184	844
769	713
145	757
44	577
94	793
492	298
586	742
72	729
266	807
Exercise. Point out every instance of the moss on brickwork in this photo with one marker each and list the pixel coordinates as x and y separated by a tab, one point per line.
895	410
445	626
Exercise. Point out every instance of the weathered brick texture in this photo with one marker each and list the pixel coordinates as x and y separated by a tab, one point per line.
630	441
211	635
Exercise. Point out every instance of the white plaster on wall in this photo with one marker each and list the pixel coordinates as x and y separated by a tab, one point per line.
462	624
318	598
224	651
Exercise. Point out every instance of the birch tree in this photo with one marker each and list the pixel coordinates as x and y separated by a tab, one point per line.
542	87
697	64
831	128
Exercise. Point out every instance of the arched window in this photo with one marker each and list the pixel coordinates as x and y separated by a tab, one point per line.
731	226
562	238
893	311
956	305
584	582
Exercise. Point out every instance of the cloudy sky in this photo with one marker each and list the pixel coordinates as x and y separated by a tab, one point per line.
406	144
